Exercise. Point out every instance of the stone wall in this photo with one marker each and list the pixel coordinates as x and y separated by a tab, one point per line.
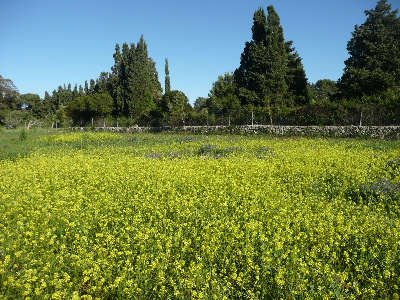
383	132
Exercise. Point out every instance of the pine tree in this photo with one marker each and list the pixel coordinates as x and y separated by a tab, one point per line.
86	87
115	79
248	76
45	107
134	82
75	92
167	79
296	76
125	79
121	79
146	88
374	62
277	62
62	96
270	73
103	84
92	86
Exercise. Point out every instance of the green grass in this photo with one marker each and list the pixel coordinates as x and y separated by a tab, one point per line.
19	143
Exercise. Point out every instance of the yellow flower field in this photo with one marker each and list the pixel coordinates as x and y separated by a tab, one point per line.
116	216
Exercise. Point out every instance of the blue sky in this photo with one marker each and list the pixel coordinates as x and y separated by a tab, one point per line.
47	43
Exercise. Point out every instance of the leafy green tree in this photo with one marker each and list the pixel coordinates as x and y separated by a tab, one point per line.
175	106
14	118
167	78
200	114
374	62
52	107
78	109
101	105
200	103
223	99
121	79
47	107
323	90
8	94
87	108
28	101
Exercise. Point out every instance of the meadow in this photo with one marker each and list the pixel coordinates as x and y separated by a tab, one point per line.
166	216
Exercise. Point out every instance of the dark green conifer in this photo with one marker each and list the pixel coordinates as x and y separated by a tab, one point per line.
276	60
296	77
270	73
247	76
115	80
374	62
167	78
146	88
86	87
134	81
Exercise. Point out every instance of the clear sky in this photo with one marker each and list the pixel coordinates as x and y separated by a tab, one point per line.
47	43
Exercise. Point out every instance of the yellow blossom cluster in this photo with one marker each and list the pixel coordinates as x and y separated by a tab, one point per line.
219	217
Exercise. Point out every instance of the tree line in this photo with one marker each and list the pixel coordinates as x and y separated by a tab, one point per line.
268	87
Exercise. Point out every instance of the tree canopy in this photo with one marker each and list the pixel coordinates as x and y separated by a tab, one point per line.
374	62
270	72
268	87
223	98
167	78
89	107
174	106
134	81
8	94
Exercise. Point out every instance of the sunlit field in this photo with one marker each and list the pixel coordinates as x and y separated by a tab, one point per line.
146	216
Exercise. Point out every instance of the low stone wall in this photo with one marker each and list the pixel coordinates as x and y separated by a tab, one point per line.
383	132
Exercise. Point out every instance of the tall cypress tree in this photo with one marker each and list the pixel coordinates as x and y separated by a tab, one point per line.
167	79
86	87
134	81
75	92
146	88
103	84
92	86
296	76
277	62
374	62
248	76
115	79
125	78
270	74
